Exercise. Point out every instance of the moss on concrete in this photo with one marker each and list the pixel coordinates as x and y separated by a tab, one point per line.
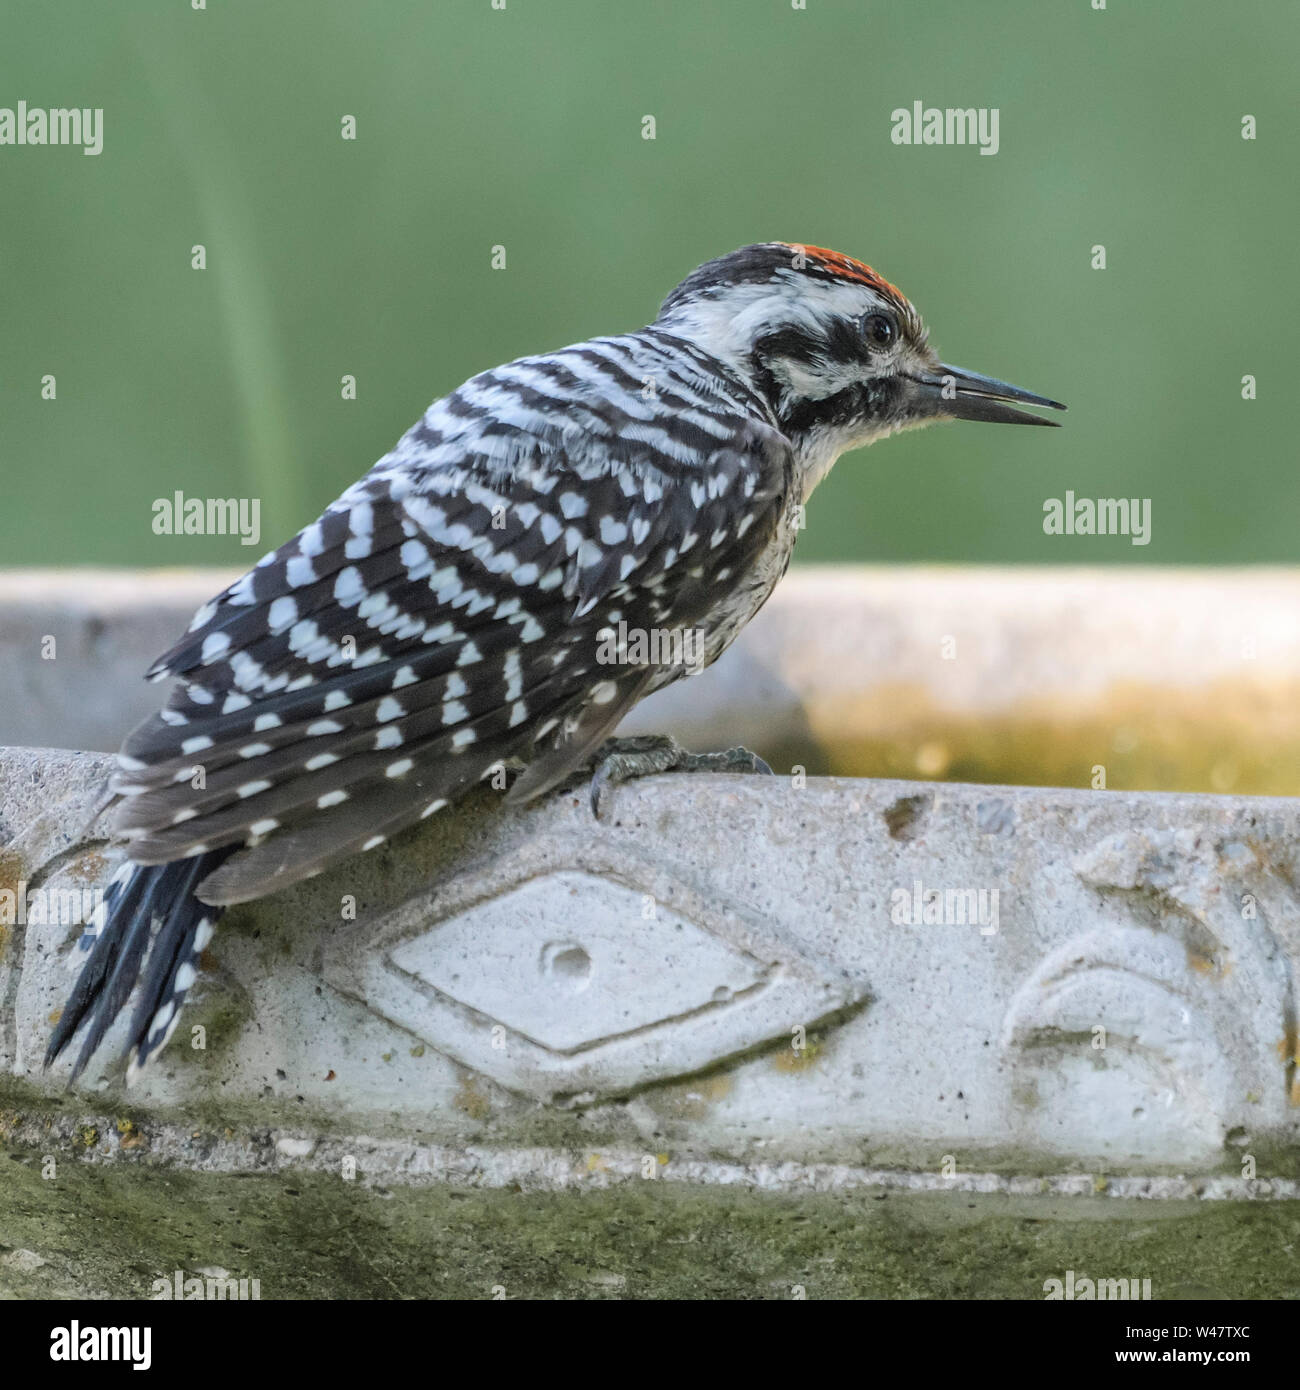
111	1230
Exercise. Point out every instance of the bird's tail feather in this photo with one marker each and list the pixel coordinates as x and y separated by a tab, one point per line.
115	951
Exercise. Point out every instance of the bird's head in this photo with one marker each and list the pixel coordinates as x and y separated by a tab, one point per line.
837	351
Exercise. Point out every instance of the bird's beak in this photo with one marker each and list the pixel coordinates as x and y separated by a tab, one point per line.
953	393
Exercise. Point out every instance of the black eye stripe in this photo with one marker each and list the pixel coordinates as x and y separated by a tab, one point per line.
791	342
836	339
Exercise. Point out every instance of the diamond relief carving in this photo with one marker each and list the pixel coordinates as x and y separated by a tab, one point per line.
575	982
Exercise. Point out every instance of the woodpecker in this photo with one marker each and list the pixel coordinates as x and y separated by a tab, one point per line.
449	617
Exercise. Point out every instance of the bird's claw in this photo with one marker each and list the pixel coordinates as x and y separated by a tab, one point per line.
623	760
736	759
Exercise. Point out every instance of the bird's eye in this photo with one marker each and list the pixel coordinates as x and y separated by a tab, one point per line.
880	330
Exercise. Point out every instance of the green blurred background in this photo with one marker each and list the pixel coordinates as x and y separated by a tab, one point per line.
522	127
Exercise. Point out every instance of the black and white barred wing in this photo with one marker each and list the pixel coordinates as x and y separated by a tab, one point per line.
429	628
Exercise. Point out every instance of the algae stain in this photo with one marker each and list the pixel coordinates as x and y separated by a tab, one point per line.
1024	1094
12	874
470	1100
790	1060
90	868
1207	964
132	1135
692	1100
1288	1052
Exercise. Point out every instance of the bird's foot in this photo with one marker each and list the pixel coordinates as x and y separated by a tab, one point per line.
624	759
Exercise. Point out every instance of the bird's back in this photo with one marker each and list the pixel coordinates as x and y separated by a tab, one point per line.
448	614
